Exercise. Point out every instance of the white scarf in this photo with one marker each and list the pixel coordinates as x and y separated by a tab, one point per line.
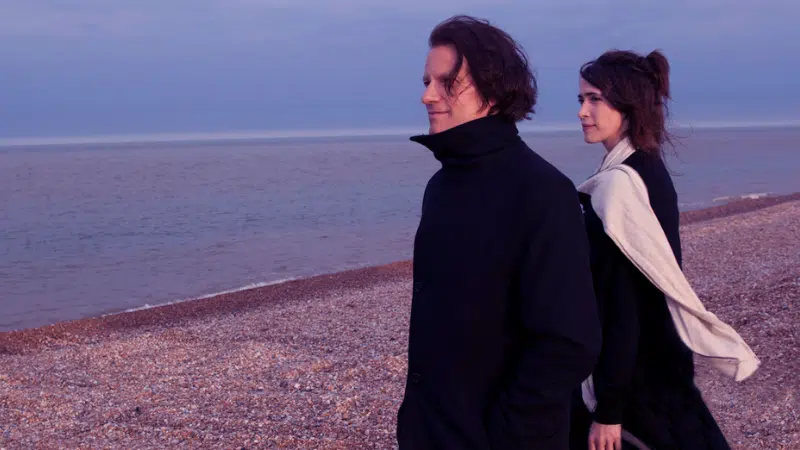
619	197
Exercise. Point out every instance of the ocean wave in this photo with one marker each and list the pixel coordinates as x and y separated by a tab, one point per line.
752	196
213	294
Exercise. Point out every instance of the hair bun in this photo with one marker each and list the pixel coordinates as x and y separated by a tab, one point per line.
659	67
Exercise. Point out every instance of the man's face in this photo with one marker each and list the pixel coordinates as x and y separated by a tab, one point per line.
449	109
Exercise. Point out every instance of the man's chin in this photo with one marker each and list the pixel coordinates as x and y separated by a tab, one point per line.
437	127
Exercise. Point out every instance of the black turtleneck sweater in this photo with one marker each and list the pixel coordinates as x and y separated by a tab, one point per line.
504	323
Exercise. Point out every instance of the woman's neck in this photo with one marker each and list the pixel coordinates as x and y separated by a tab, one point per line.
612	142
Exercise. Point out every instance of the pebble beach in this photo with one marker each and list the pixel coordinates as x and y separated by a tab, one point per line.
319	363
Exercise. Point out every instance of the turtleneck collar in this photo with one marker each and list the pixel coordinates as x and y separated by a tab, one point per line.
470	141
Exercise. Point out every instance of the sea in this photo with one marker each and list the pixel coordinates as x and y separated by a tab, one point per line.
97	228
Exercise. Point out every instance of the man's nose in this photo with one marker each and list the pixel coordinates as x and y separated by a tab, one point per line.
430	95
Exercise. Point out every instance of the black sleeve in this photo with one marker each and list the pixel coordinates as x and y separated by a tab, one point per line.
614	371
559	323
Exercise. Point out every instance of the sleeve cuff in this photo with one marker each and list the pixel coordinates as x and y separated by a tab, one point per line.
608	413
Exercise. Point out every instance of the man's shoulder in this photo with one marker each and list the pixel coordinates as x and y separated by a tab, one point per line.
541	177
548	196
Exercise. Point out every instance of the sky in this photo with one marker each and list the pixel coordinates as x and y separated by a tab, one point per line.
129	67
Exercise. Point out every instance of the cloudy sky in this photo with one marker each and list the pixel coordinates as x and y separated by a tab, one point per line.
103	67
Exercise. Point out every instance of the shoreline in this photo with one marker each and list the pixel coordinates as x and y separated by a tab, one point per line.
240	300
735	206
170	314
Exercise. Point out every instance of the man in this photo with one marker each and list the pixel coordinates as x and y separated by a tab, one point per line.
504	324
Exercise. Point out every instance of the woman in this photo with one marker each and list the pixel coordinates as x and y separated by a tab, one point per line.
642	392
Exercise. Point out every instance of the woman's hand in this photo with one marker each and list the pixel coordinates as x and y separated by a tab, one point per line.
605	437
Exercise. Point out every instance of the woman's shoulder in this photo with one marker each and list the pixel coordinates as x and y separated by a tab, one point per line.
661	193
653	172
647	164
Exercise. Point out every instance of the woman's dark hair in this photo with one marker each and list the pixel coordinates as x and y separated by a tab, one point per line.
638	87
497	65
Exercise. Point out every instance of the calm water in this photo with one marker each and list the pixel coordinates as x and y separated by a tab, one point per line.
90	230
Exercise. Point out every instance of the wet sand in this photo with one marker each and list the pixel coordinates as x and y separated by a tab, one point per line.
320	362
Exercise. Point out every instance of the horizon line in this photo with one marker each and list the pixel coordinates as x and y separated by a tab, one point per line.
223	136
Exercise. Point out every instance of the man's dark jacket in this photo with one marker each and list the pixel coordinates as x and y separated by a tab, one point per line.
504	323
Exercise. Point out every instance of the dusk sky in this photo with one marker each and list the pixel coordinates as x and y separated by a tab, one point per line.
101	67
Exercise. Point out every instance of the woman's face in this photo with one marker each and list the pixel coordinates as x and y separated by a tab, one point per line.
600	121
